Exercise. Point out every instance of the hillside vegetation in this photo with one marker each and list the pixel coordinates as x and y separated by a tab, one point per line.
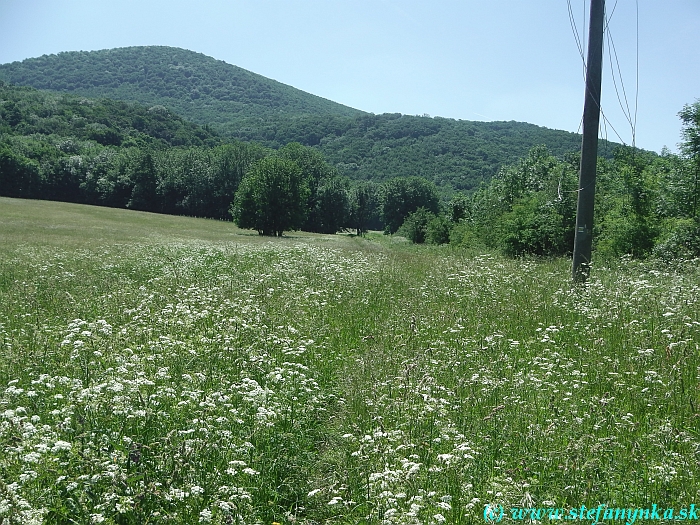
160	369
455	155
27	112
70	148
200	88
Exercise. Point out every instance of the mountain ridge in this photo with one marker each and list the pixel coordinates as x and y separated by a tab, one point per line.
457	155
200	88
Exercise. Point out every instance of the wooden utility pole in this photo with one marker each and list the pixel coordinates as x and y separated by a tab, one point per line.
589	146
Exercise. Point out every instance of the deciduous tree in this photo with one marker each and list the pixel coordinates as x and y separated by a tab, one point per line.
690	147
272	197
403	196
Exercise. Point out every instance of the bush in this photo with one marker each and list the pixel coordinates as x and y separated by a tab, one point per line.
626	234
415	227
682	242
438	230
465	234
532	227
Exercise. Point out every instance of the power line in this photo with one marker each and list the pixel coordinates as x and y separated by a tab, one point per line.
612	51
608	18
574	29
614	64
579	45
612	127
585	19
605	135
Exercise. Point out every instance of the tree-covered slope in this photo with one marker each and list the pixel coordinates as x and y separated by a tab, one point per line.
59	146
455	154
26	112
198	87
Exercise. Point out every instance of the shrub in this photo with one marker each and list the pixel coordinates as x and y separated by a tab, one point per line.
438	230
465	234
626	234
415	227
683	241
532	227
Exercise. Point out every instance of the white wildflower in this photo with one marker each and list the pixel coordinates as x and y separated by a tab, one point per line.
61	445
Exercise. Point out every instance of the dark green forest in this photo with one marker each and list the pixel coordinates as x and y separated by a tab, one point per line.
456	155
27	111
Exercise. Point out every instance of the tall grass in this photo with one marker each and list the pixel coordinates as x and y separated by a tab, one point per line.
169	370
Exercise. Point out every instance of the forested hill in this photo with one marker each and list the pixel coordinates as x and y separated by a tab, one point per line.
457	155
195	86
454	154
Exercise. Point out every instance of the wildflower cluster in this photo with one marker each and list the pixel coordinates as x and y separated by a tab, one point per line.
318	381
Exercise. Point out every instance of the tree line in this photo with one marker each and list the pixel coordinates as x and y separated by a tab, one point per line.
272	191
104	152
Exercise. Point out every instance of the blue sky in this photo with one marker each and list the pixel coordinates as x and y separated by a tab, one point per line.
464	59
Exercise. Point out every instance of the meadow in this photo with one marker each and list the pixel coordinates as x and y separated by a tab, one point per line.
158	369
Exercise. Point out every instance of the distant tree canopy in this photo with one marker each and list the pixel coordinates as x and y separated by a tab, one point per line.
690	148
25	111
331	206
365	206
200	88
326	205
294	189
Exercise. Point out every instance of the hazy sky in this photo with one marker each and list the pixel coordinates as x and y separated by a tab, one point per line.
464	59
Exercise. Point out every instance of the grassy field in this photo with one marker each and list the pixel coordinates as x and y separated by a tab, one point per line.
158	369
